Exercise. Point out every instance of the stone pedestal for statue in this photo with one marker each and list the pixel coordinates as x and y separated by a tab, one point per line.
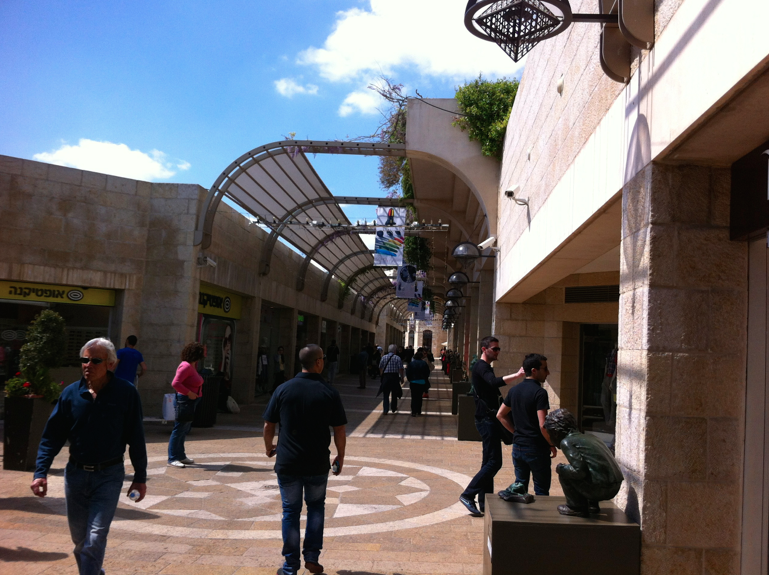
535	539
458	388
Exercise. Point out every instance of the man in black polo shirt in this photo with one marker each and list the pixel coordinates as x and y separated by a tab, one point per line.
305	407
487	396
523	414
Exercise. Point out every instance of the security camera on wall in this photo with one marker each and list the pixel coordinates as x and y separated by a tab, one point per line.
512	193
204	260
487	243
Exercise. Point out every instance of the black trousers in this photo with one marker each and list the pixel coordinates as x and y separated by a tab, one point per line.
417	389
483	482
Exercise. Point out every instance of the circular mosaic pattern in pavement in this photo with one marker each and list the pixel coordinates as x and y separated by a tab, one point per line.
236	496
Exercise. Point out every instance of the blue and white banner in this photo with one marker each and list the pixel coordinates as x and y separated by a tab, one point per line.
406	282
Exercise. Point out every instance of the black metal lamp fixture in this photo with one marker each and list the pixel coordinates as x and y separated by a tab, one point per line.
454	294
459	279
517	26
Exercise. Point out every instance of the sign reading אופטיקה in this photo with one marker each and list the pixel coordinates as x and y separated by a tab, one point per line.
52	293
213	300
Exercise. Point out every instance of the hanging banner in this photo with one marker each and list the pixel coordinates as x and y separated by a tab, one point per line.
406	282
390	237
415	304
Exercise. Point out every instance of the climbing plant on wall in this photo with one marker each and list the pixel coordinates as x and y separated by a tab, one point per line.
486	107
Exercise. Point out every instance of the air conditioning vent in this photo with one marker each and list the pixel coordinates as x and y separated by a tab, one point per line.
592	294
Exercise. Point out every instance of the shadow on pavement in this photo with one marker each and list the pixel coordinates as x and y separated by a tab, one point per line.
29	555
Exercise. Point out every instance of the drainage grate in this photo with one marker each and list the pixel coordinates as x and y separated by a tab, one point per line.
592	294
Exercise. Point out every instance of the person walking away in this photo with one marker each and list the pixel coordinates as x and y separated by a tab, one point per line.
99	415
279	363
487	397
306	407
391	372
262	370
361	362
188	384
332	359
129	361
374	362
523	413
417	372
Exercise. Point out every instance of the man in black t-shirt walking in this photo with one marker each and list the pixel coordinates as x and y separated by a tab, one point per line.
305	407
487	396
523	414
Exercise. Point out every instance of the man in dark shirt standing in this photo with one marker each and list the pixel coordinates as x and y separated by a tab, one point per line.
332	357
523	414
305	407
99	415
487	396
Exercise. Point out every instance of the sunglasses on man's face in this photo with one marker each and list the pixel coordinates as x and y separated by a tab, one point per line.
496	348
93	360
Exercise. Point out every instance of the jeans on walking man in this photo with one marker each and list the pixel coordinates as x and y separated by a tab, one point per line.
486	387
98	415
392	374
305	407
523	413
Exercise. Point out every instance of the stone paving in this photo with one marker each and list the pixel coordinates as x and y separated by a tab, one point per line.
393	510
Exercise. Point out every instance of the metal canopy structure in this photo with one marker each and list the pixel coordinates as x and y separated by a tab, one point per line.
278	186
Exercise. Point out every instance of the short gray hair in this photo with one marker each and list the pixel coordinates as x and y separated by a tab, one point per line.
393	348
103	343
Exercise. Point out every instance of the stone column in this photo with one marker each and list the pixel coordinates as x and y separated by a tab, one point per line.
246	351
486	304
681	382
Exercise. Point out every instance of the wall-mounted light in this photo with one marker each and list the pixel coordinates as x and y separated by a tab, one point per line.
517	26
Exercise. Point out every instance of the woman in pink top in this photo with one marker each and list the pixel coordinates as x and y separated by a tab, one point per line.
188	384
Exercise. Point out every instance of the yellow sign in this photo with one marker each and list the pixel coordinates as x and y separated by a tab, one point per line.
216	301
56	293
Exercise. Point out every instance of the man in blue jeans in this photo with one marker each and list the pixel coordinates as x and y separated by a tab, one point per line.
523	413
487	396
99	415
305	407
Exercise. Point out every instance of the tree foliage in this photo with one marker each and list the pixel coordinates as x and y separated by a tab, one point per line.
486	107
418	252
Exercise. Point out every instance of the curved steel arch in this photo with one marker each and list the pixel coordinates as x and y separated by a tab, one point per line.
379	315
332	271
366	299
351	280
260	153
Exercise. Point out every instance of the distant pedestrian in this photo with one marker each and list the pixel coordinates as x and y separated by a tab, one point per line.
418	374
188	384
306	407
361	363
99	415
332	361
130	362
487	397
391	372
279	368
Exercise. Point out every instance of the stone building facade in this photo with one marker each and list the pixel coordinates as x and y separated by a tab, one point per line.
68	227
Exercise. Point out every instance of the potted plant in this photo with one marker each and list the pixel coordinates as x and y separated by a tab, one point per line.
30	395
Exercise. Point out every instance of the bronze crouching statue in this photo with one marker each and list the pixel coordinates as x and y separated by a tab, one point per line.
592	474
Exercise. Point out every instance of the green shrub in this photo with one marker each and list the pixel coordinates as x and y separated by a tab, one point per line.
486	107
45	349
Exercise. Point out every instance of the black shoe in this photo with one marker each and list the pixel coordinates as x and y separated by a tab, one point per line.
313	567
571	512
592	508
413	415
470	505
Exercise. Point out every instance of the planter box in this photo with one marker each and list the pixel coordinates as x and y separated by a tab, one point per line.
25	420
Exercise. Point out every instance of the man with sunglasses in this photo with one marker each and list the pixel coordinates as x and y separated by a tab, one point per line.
487	398
98	415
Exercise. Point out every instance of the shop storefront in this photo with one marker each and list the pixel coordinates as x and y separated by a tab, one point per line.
218	313
88	313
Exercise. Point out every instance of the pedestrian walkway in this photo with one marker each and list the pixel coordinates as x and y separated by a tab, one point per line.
393	510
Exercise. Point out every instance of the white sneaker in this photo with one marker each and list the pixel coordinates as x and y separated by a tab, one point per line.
176	464
187	461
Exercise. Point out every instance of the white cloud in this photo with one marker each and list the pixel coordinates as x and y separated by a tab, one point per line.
428	35
365	101
289	87
114	159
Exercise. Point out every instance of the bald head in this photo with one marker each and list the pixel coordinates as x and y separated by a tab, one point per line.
309	356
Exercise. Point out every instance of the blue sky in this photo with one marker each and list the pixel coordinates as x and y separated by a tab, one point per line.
174	91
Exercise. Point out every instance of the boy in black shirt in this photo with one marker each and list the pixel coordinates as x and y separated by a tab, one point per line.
523	413
487	396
